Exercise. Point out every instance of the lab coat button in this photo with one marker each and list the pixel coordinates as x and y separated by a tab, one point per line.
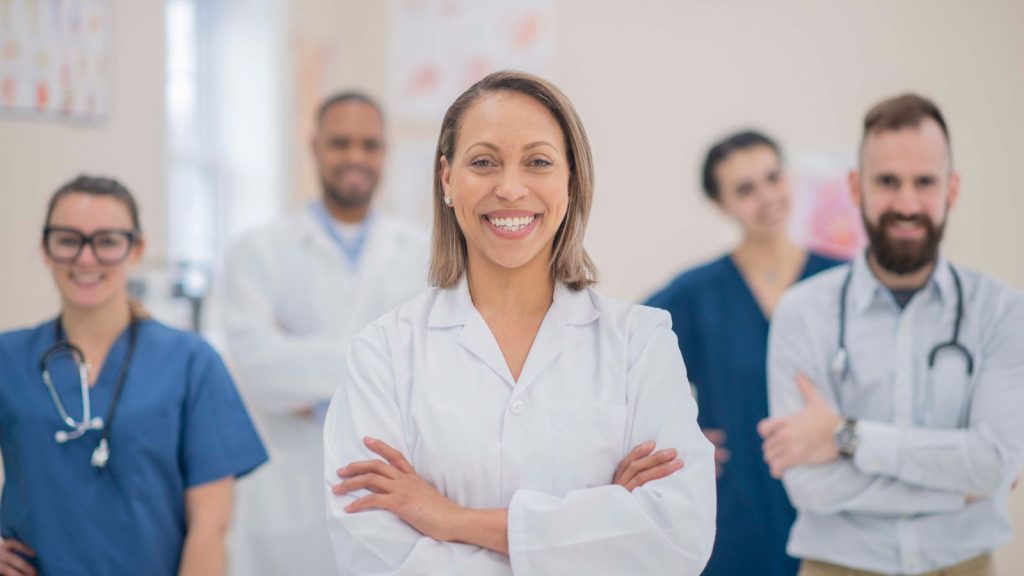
518	407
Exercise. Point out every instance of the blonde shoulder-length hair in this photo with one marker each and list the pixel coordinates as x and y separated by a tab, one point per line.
570	263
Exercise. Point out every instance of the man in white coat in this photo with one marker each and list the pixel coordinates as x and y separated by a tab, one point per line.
296	291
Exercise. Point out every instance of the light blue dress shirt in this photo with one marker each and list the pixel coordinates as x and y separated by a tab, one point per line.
929	438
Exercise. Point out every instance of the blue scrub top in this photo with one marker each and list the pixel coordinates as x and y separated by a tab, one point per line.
179	423
723	335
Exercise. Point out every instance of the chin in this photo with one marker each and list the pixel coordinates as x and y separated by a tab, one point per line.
86	297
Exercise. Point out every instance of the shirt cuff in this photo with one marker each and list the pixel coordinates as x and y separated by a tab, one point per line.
878	448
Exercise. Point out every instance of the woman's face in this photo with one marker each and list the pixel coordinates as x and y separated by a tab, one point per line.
753	189
86	282
508	180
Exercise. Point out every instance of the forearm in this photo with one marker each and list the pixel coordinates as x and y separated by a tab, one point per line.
283	374
486	528
839	487
207	516
204	552
966	461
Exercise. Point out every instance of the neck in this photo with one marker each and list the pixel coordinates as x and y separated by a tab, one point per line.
527	290
767	253
95	326
894	281
348	215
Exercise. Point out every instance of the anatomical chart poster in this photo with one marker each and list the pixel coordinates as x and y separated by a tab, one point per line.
438	48
825	218
55	59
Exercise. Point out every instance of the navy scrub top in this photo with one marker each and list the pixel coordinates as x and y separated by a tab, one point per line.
723	335
179	423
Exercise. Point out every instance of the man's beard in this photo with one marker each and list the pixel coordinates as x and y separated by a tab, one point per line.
898	255
350	199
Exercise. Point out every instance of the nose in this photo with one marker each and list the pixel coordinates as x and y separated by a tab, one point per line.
87	255
511	187
906	201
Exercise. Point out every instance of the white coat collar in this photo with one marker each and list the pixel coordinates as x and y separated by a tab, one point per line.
454	307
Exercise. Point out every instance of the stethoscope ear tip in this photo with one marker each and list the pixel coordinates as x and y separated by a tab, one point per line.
60	436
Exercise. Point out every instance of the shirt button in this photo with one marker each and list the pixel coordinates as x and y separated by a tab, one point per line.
518	407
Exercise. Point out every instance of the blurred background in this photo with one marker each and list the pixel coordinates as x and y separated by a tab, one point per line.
204	109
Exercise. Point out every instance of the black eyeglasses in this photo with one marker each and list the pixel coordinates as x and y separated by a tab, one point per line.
109	246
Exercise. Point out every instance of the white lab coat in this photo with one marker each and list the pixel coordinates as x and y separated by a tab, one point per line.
293	302
602	377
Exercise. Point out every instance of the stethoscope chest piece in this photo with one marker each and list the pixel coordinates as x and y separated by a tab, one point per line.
78	428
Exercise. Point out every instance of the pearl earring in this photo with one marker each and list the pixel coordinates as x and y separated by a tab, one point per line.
448	201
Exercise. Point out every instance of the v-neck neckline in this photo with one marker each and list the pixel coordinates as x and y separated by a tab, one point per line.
749	291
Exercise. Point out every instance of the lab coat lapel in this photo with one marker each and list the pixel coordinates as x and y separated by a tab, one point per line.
454	307
569	310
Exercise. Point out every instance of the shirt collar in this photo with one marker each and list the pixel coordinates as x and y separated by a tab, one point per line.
865	288
454	306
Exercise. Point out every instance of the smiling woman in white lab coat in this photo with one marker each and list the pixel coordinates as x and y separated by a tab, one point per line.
485	428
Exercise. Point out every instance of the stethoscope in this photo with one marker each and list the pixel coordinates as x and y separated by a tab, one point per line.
78	428
841	361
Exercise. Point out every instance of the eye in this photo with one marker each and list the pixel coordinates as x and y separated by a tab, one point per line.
540	163
888	181
339	143
745	189
371	145
925	181
773	177
108	241
482	163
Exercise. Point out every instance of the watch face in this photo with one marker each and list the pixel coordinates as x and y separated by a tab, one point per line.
846	439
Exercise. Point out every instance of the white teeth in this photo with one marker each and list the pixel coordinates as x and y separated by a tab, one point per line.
512	224
86	278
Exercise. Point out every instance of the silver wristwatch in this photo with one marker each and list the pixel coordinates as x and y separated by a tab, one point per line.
846	438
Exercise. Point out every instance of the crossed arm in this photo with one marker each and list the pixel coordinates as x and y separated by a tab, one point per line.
896	470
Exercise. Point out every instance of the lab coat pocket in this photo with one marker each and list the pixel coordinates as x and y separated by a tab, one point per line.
587	445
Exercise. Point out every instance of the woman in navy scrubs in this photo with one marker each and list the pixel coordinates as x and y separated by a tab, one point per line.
126	466
720	312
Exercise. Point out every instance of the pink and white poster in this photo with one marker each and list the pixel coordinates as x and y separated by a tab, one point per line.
825	219
438	48
55	59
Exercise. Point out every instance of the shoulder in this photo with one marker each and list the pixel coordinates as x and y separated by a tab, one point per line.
281	231
997	301
813	295
16	343
169	342
634	325
399	324
816	262
690	282
402	228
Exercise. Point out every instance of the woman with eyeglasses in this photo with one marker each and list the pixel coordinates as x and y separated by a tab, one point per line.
121	437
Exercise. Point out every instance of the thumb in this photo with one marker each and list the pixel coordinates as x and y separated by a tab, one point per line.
809	391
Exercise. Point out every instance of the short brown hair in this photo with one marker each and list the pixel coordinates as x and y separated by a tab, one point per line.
904	111
570	263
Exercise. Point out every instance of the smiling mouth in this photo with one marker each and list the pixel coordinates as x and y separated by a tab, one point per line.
514	224
87	279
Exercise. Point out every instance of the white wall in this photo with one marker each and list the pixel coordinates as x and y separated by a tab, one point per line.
36	157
